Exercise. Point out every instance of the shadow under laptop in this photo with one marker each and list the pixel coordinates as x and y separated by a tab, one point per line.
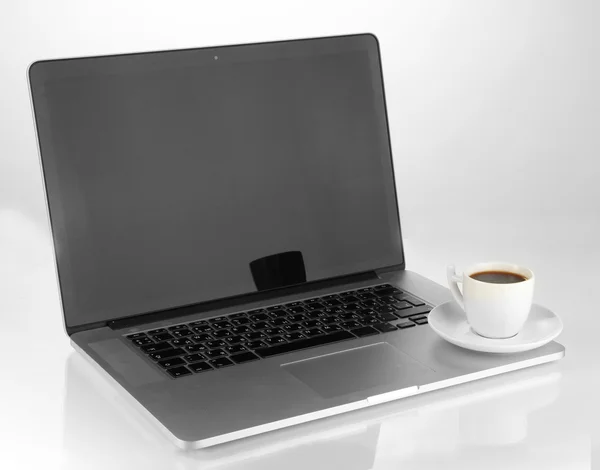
493	420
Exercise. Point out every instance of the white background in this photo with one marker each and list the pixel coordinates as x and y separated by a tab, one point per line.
494	111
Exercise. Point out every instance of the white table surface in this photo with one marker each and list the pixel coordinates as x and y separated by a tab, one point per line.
57	412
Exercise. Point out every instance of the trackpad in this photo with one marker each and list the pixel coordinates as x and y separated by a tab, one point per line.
369	367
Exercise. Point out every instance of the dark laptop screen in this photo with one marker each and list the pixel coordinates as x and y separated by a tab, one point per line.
185	176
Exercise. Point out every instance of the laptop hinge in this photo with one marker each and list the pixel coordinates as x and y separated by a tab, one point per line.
238	300
390	269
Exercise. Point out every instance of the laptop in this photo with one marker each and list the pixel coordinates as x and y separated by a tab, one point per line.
227	237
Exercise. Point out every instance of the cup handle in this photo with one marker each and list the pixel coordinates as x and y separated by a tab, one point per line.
453	280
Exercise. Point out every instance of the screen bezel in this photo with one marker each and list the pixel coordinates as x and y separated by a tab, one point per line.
368	41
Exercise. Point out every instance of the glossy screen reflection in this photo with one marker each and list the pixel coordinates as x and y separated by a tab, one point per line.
173	180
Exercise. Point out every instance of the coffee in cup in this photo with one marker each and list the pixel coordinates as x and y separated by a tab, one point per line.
496	297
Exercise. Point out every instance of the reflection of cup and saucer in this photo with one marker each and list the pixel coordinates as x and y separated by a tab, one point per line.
494	312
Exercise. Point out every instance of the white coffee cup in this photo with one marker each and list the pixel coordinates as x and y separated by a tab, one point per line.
493	310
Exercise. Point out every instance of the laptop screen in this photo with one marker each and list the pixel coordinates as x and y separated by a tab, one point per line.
179	177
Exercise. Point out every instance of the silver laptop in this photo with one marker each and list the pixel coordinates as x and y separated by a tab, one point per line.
227	237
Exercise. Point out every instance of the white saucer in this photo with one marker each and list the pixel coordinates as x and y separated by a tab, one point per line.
450	322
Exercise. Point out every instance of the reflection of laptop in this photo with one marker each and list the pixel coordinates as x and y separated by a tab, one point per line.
227	237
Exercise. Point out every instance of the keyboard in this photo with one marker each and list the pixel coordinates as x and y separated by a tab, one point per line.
207	345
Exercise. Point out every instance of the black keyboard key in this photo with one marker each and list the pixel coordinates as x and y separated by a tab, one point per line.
365	290
312	315
387	316
274	341
273	332
257	311
178	327
367	296
198	323
418	317
215	353
182	333
259	317
136	335
181	342
350	324
142	341
312	332
351	299
278	314
155	347
168	353
405	324
194	348
194	357
236	315
387	292
350	316
331	328
199	338
401	305
350	307
411	312
214	320
410	299
314	306
295	304
371	320
255	335
330	297
295	336
221	334
261	325
175	361
220	362
200	367
382	286
202	329
296	318
292	327
235	339
238	348
366	312
365	331
179	371
279	322
219	325
384	309
255	344
240	321
312	324
387	300
312	301
332	303
370	303
162	337
331	320
244	357
217	343
157	331
275	308
297	309
384	327
420	321
305	343
238	330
